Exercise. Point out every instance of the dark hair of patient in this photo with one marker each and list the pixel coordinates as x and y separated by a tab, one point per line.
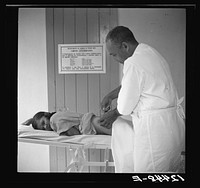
38	116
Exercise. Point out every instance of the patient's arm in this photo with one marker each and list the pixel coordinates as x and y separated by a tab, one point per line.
100	129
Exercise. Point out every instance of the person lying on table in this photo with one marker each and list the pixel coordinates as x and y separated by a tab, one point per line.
68	123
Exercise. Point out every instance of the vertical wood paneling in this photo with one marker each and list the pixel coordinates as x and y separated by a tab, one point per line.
82	79
53	159
93	79
50	59
104	29
68	154
61	159
114	66
104	78
78	92
102	154
111	169
70	79
58	39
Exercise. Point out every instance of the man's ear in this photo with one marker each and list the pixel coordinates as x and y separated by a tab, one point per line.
28	122
125	46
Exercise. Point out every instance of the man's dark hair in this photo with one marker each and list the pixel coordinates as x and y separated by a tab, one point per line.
120	34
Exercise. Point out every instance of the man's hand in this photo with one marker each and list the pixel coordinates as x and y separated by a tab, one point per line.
105	104
108	118
107	100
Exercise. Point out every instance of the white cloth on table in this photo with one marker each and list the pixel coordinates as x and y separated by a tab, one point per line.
28	132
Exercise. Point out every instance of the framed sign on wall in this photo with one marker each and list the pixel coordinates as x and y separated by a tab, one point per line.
81	58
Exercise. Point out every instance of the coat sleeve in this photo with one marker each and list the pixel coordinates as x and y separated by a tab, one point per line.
130	91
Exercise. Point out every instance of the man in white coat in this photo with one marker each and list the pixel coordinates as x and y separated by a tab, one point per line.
153	141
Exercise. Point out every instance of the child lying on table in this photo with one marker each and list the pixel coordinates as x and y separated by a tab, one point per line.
68	123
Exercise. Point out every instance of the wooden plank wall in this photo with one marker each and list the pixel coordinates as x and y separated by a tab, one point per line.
79	92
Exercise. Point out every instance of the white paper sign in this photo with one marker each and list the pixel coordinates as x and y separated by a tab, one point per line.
81	58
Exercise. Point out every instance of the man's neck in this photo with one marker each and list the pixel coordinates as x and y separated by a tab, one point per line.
133	48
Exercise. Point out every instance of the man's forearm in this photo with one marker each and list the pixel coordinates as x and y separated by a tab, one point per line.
114	93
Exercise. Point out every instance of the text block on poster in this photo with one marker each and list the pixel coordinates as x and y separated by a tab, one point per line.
81	58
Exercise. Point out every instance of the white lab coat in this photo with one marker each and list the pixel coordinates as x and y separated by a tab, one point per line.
154	140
